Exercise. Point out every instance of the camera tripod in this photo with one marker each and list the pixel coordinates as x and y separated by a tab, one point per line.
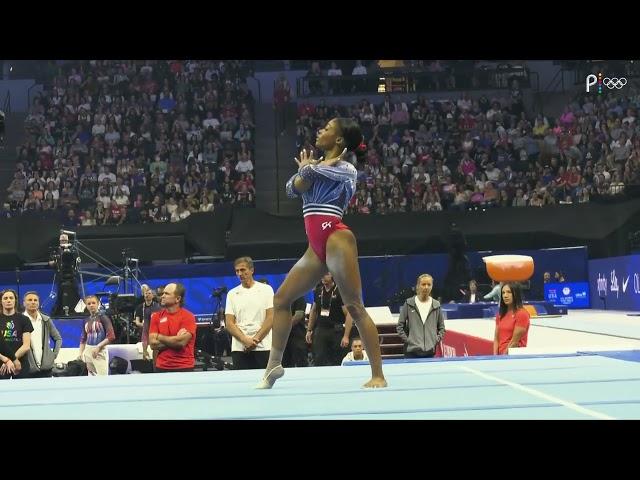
127	276
214	335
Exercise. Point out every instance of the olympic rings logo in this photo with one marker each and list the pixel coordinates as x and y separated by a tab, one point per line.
614	82
600	81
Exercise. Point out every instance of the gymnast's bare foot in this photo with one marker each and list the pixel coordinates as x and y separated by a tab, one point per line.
376	382
270	377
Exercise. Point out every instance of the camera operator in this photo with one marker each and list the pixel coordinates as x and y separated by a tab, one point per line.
65	262
142	316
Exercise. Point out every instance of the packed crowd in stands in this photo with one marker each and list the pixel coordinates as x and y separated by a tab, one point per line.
480	152
112	142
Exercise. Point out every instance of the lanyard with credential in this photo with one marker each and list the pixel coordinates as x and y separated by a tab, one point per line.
325	312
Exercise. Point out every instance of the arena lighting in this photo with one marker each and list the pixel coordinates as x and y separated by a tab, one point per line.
204	258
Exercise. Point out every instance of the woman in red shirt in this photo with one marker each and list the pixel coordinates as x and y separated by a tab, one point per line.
512	321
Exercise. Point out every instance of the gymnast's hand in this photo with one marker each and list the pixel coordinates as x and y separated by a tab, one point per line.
306	159
330	162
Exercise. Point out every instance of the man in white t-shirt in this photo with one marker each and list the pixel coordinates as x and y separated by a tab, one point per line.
357	352
249	318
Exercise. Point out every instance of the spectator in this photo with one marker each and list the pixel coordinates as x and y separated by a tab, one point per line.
359	85
512	321
335	86
281	99
116	214
180	213
357	353
494	294
421	321
471	295
313	74
87	219
244	164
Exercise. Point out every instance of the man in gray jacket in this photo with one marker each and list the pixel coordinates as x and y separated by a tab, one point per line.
41	357
421	322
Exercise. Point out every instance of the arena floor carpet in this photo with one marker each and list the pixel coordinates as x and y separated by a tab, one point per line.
574	386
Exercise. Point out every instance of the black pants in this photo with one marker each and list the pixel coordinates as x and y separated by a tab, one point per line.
250	360
68	296
326	346
296	353
40	374
428	354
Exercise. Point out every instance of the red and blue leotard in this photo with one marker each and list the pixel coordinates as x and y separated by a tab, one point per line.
324	203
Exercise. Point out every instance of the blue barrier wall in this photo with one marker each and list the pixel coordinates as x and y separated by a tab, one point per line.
382	277
615	283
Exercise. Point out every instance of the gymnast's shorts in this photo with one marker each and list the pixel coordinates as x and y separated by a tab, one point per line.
319	228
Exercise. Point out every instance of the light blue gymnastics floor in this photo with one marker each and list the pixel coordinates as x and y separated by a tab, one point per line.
578	386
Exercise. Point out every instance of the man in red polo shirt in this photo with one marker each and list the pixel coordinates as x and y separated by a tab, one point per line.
172	334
